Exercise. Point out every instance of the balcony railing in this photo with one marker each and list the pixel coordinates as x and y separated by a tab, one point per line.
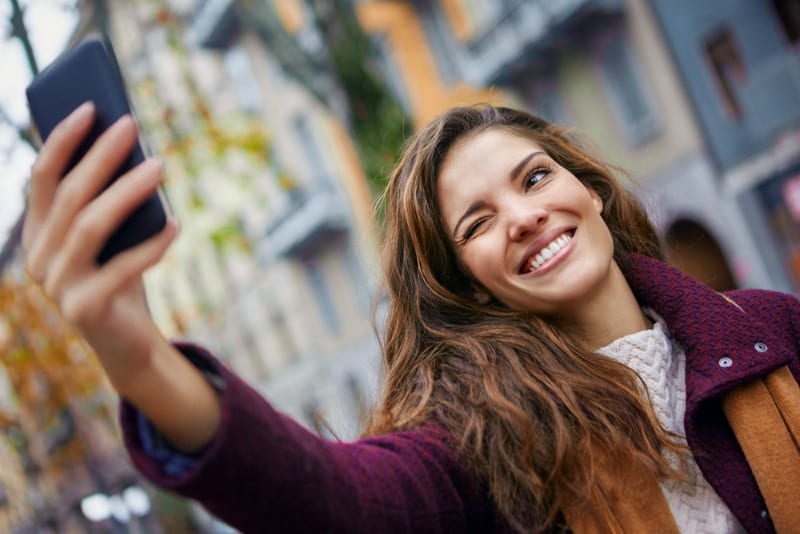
214	24
311	222
521	27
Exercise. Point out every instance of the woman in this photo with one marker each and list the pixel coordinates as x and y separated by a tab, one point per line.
544	369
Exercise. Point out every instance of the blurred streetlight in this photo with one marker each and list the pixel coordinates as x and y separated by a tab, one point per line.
124	509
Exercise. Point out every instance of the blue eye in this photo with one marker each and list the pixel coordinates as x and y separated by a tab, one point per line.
536	176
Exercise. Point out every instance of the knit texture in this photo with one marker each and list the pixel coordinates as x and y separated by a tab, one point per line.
661	363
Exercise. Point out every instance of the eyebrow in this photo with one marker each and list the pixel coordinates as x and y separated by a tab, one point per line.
521	165
478	204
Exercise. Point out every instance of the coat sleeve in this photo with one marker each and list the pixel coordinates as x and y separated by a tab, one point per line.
263	472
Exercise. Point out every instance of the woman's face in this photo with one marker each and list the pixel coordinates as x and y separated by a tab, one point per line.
525	228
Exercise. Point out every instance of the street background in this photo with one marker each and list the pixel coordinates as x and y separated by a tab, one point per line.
278	121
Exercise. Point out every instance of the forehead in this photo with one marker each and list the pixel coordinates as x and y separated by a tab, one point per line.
489	150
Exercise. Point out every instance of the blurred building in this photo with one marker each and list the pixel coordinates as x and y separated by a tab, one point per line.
740	64
601	66
274	270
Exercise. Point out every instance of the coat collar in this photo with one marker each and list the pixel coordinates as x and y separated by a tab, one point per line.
721	340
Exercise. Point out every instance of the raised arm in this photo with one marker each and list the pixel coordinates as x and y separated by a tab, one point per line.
265	473
68	219
256	468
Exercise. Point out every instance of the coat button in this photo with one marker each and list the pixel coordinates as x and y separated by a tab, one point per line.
764	515
725	362
761	347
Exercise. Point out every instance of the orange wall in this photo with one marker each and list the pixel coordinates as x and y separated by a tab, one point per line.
428	95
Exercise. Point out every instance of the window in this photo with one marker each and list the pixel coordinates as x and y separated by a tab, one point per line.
727	68
625	85
322	294
311	149
391	70
442	53
484	14
250	343
237	63
283	337
548	103
355	271
789	15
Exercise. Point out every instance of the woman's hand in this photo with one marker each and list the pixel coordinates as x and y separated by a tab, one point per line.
69	219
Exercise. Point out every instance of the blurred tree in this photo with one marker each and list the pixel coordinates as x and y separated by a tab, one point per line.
377	120
205	144
58	411
374	117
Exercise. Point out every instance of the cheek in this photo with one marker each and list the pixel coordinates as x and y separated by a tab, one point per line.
480	263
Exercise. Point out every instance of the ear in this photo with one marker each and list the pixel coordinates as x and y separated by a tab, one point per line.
596	199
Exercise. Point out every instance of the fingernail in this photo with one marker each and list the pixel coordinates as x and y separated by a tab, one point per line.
127	118
83	109
157	163
154	167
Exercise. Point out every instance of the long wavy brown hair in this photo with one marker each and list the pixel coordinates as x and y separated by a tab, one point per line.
527	407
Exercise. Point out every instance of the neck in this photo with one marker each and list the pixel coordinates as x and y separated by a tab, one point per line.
610	314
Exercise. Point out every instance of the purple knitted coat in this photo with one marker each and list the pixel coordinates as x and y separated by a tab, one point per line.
265	473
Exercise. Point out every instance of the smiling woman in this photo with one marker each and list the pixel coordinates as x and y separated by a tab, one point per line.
545	370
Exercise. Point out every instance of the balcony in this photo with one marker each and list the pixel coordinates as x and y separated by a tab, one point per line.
311	222
770	98
521	28
214	24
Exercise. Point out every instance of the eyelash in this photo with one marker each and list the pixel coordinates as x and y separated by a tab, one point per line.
471	230
543	170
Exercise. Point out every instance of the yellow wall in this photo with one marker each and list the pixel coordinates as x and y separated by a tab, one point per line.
291	14
428	95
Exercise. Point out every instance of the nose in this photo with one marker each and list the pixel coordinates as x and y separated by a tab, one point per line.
524	219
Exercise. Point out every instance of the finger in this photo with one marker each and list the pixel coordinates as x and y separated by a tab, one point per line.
105	156
82	184
52	161
99	219
89	299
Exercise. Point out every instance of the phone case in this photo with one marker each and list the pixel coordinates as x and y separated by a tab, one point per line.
90	72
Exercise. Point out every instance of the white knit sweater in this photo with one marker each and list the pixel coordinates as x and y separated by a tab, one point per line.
661	363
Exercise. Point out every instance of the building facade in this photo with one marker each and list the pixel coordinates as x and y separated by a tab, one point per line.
275	268
601	67
740	64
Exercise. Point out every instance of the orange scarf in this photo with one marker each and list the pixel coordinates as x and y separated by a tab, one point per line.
765	417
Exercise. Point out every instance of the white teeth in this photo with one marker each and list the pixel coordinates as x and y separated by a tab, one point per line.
547	252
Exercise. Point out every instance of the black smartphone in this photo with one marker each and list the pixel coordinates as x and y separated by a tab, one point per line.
89	72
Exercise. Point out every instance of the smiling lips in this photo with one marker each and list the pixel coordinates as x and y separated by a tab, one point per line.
548	251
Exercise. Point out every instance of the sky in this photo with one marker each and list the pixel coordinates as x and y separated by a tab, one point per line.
50	24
